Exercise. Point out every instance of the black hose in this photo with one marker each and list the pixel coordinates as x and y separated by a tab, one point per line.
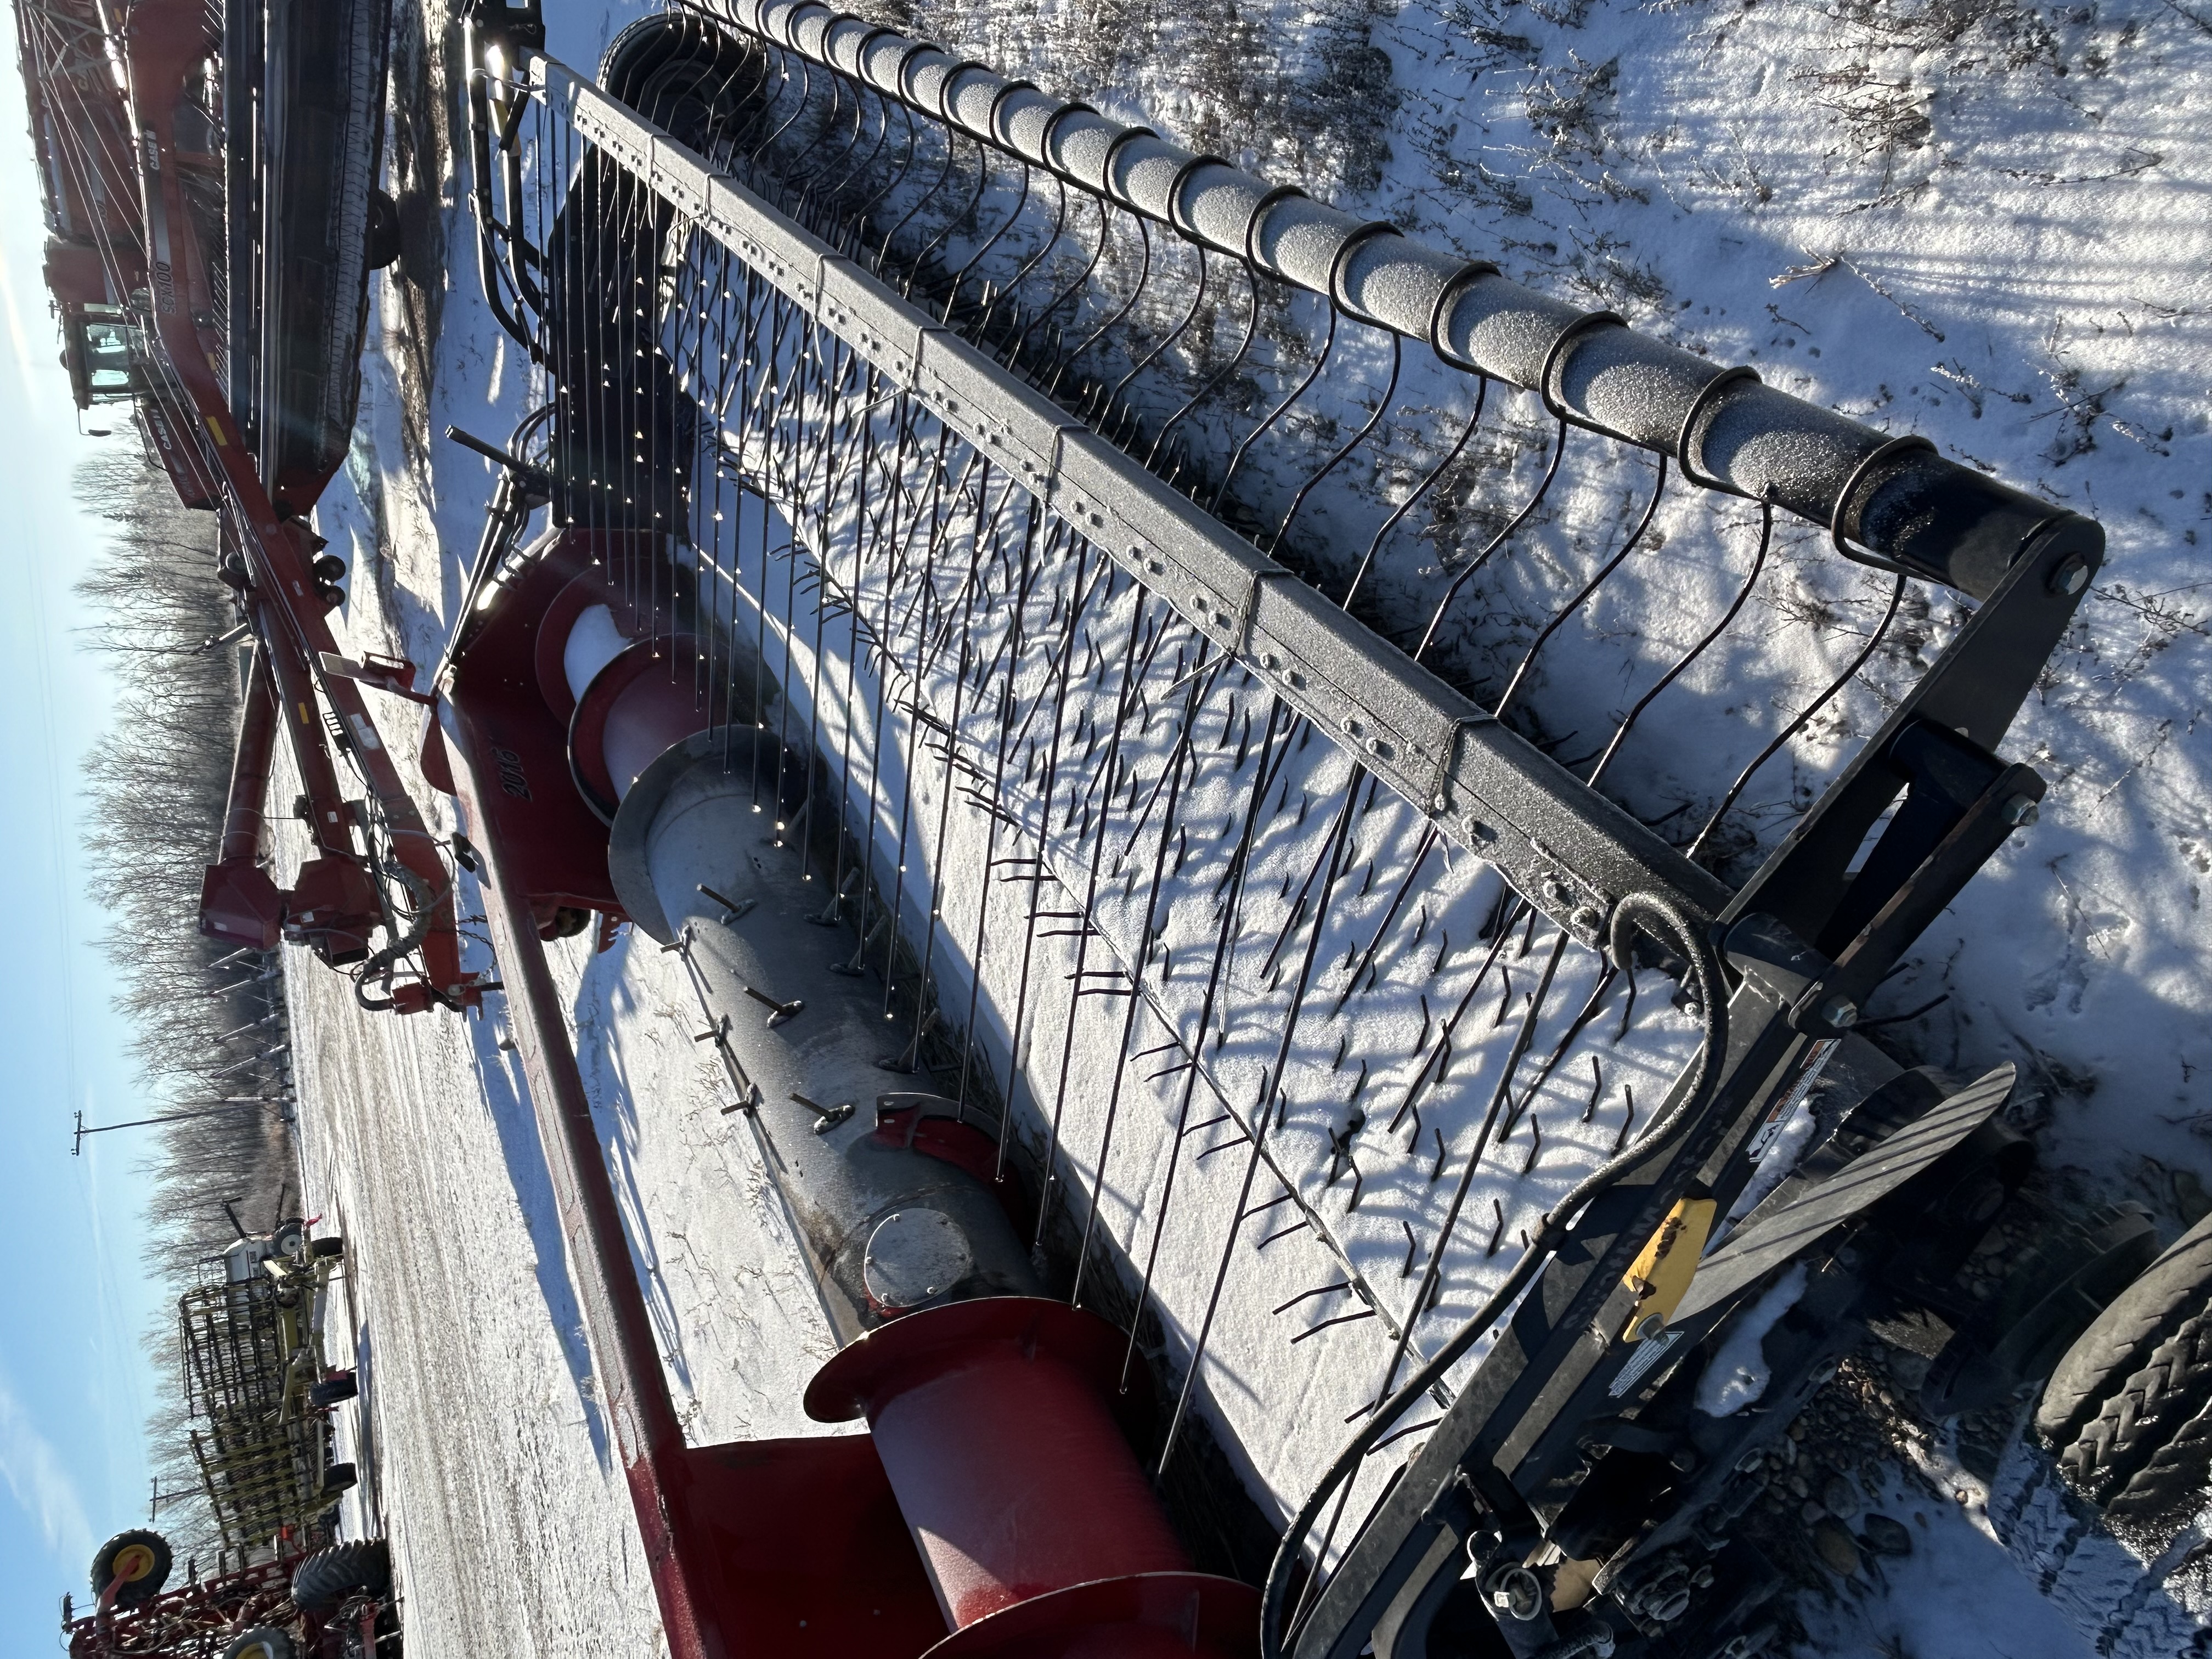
1639	911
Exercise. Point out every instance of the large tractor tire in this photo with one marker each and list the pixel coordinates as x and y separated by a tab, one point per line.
385	242
141	1559
2128	1409
325	1580
2119	1342
265	1643
332	1246
2143	1413
332	1390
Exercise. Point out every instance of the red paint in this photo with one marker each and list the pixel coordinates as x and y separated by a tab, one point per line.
993	1421
758	1551
1165	1615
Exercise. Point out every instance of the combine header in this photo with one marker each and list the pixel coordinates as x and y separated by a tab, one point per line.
212	210
922	641
924	637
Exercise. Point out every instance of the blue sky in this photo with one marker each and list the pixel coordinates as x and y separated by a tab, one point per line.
75	1384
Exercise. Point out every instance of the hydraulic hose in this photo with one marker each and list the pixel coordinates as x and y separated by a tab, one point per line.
1645	912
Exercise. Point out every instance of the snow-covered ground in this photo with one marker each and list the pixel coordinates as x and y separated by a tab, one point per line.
1981	222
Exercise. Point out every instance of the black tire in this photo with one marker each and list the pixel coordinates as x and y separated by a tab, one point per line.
333	1247
2170	1488
289	1238
333	1389
385	241
143	1555
339	1477
2146	1412
2120	1341
322	1582
264	1642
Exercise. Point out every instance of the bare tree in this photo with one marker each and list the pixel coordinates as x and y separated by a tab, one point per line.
208	1024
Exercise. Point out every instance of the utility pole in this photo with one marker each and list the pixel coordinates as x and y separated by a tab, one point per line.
282	1102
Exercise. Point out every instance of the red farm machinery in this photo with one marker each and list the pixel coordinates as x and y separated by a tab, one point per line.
770	357
213	214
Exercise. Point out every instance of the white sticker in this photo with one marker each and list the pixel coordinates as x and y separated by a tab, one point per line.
1649	1353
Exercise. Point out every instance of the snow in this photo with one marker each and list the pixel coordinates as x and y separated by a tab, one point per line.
1737	1375
2023	273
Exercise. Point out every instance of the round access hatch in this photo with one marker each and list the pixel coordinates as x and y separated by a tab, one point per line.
914	1256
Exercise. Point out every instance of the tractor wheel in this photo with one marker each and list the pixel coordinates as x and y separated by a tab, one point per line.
339	1477
140	1559
2139	1418
2119	1342
332	1390
325	1579
332	1248
2170	1488
267	1641
385	246
289	1238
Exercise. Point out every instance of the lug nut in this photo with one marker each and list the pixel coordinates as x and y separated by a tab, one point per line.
2021	810
1841	1012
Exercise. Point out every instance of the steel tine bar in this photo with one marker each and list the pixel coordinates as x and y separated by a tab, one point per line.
1466	572
1143	956
1270	1088
1431	1273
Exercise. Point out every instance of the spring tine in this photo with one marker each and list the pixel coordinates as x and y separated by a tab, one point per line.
1466	571
1850	673
1750	581
1627	546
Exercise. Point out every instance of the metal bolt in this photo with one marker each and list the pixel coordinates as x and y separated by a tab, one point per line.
2071	576
1587	924
1841	1012
2021	810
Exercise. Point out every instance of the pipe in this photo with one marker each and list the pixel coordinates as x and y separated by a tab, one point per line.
1896	499
990	1407
243	817
876	1200
1040	1533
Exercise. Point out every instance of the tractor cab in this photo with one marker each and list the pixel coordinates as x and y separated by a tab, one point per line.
105	354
